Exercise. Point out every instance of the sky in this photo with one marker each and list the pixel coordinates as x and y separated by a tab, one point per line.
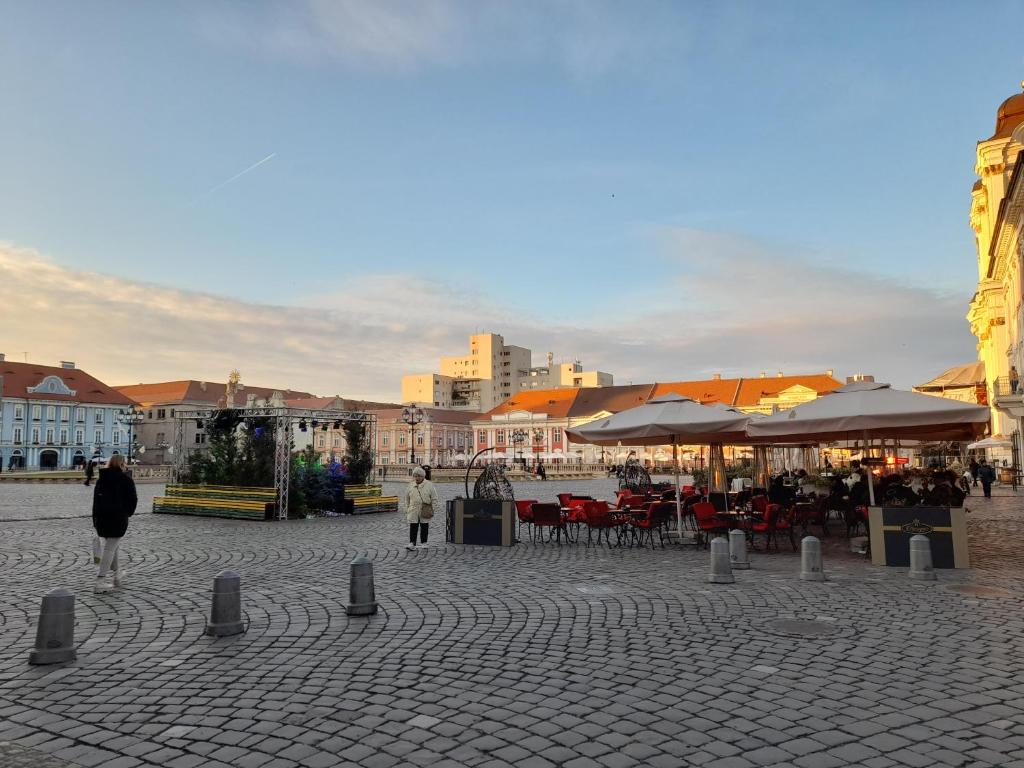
328	194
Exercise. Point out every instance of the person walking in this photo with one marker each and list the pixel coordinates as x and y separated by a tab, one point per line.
974	471
90	469
420	505
987	475
113	502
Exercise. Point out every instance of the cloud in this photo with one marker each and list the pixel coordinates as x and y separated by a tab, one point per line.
584	37
732	305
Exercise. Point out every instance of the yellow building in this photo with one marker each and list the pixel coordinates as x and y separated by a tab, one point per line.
997	204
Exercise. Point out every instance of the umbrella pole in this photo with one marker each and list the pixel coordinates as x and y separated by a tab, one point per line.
871	480
679	503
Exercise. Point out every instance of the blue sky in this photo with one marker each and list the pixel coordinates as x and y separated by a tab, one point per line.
570	173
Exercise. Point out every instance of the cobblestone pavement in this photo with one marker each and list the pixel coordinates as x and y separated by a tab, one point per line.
530	657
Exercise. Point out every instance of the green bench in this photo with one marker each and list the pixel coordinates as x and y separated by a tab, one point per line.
217	501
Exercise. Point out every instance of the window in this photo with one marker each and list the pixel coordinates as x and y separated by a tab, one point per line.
500	436
172	413
482	437
161	413
99	437
556	435
17	435
200	437
401	439
117	437
65	413
320	441
100	416
37	412
80	415
79	436
49	435
160	438
19	412
35	435
384	439
336	441
419	439
150	414
63	436
51	413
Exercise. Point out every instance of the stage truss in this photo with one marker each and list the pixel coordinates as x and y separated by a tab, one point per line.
284	419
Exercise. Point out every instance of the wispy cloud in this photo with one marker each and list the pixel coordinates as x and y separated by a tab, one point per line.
584	37
735	306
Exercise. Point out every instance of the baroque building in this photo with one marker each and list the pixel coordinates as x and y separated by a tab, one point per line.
997	212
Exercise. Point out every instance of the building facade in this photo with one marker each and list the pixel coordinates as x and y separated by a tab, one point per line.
532	425
327	436
965	383
161	401
57	417
997	206
492	372
444	438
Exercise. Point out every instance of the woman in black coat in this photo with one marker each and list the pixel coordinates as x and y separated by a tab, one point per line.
113	502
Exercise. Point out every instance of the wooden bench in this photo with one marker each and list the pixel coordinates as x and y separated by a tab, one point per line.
217	501
367	498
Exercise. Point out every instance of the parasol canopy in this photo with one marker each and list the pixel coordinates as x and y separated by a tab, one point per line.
996	441
865	409
669	419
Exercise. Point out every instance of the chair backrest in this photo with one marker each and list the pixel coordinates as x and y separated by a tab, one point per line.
596	512
662	513
563	499
759	504
704	510
524	509
546	514
771	514
720	501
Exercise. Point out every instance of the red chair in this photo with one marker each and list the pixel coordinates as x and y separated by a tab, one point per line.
759	505
524	513
547	516
814	512
601	518
574	518
776	519
655	518
708	522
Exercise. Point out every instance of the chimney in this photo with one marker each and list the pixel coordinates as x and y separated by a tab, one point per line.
551	359
830	373
764	375
202	385
67	364
779	374
716	377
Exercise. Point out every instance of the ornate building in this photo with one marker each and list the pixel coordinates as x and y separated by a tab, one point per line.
997	205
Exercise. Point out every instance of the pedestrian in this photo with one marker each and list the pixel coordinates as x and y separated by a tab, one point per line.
90	469
987	475
974	471
420	505
113	502
1014	379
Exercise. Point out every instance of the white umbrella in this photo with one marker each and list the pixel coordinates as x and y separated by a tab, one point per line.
996	441
670	419
867	410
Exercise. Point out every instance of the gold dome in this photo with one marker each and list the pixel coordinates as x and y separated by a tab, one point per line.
1009	116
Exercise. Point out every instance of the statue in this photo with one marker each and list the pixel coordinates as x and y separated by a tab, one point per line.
231	388
492	484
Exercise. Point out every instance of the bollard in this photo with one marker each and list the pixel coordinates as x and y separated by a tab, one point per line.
226	611
55	634
921	558
738	550
721	572
810	560
362	600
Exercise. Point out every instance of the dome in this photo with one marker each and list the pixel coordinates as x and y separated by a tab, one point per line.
1009	116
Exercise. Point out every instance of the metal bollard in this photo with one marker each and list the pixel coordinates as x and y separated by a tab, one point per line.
362	599
810	560
721	571
921	558
738	550
55	634
226	611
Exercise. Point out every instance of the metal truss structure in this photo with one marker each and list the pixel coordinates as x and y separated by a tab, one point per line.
284	419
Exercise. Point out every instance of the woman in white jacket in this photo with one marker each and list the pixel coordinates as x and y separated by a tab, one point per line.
420	506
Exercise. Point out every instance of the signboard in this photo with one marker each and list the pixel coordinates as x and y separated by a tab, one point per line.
895	460
873	461
945	527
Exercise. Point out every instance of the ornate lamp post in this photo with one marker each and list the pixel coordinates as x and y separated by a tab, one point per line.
131	417
517	438
412	416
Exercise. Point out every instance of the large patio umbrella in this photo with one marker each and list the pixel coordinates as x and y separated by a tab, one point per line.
671	419
996	441
867	409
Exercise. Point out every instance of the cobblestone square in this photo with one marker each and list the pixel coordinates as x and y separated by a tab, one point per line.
501	657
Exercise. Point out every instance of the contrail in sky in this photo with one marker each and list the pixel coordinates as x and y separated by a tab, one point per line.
238	175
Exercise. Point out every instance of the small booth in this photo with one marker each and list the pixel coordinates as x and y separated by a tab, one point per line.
490	522
945	527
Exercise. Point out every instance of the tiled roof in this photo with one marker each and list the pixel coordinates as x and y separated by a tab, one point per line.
19	377
339	404
591	400
705	391
752	390
968	375
436	415
556	403
192	391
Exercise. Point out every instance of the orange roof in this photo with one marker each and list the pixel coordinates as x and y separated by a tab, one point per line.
192	391
556	403
752	390
706	391
435	415
17	378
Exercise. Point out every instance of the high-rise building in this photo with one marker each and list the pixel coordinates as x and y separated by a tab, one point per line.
492	372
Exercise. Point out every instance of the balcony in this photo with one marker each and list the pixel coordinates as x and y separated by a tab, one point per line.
1006	399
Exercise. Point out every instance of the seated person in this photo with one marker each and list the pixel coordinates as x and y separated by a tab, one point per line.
899	494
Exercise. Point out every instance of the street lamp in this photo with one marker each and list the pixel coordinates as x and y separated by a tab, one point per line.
131	417
518	437
412	416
